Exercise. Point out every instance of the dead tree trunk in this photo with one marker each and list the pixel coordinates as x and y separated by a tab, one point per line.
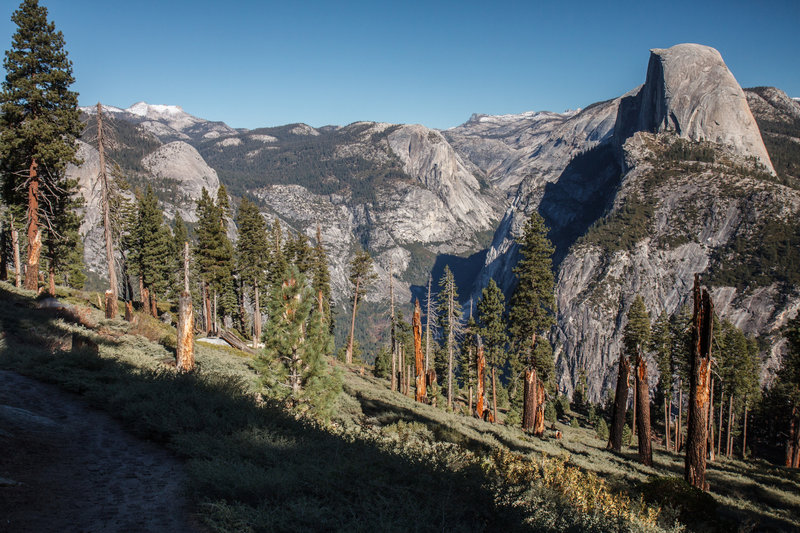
185	350
620	404
145	300
744	432
635	394
3	254
721	408
481	376
643	416
34	235
419	363
699	380
206	309
393	333
538	418
529	400
153	306
679	429
129	311
111	310
729	439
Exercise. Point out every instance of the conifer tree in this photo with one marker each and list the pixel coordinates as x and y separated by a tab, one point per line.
660	344
252	251
321	279
786	393
449	312
636	339
39	125
532	313
277	258
296	345
151	255
467	363
362	276
491	309
63	243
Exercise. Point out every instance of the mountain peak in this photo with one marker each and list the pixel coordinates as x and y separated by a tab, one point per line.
143	109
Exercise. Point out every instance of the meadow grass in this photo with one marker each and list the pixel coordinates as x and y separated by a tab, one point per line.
383	462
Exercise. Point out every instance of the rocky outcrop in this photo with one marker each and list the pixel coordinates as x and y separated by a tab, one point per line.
690	91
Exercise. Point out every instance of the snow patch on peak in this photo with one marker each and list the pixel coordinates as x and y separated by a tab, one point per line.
144	109
92	109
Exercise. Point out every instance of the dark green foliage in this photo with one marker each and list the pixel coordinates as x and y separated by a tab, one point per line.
562	406
151	254
383	363
492	326
550	412
622	228
213	251
533	303
468	357
127	144
686	150
448	313
738	364
63	243
278	265
321	278
601	428
252	248
636	335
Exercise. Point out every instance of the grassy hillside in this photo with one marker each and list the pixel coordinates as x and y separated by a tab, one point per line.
382	463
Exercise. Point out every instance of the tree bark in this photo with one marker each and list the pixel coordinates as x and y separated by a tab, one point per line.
110	302
744	433
428	327
793	442
51	279
643	416
146	300
129	311
256	317
666	424
111	310
635	394
620	404
529	400
3	253
721	408
348	355
153	306
481	373
206	309
34	235
185	350
419	363
494	395
699	380
679	429
729	439
538	419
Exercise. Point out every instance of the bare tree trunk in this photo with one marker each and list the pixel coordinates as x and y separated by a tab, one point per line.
494	395
729	439
419	363
450	341
256	316
744	433
538	419
17	261
620	404
679	429
635	394
700	374
51	279
146	300
428	327
185	349
34	235
711	454
793	442
214	311
529	399
141	293
3	253
643	416
129	311
393	334
111	310
206	309
666	423
348	355
721	407
481	375
153	306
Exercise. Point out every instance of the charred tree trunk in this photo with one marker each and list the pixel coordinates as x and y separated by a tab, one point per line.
620	404
481	376
529	400
34	235
111	310
699	380
643	416
419	363
185	350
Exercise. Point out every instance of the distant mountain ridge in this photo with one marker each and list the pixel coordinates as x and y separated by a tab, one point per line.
419	198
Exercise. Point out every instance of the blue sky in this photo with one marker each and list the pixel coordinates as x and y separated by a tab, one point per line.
254	64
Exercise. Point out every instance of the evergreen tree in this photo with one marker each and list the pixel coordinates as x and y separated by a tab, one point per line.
296	345
180	236
636	335
468	359
362	276
636	340
151	255
533	303
252	254
660	345
491	309
63	243
277	259
322	280
39	125
449	313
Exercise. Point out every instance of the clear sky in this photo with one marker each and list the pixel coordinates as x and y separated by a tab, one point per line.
261	63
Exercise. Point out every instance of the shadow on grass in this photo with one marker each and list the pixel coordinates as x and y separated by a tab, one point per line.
254	464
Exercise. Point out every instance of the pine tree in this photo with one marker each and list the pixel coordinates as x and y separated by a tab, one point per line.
636	339
449	312
467	361
660	344
151	254
786	393
278	265
252	254
63	243
296	345
322	280
491	309
39	125
362	276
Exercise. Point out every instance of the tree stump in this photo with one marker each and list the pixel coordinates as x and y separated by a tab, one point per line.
185	349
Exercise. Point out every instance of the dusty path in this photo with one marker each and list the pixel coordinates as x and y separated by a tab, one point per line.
65	467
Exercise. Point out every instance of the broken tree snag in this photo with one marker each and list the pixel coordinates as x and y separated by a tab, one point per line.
153	306
185	351
529	399
34	235
699	381
481	363
111	304
129	311
620	404
419	362
538	421
643	417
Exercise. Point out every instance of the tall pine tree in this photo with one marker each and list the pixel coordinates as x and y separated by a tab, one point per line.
362	276
39	125
449	312
252	254
491	309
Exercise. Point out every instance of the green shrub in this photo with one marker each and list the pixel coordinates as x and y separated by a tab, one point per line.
602	429
626	435
694	506
550	413
562	406
574	423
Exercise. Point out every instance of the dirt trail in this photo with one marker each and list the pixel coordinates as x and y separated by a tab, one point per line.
65	467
